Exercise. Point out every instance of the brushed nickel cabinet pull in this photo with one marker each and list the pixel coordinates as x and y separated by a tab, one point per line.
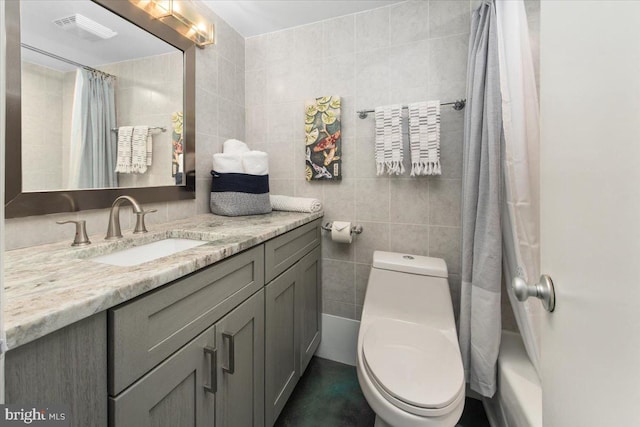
232	349
213	366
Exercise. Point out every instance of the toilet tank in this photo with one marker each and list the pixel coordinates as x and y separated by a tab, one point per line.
409	288
414	264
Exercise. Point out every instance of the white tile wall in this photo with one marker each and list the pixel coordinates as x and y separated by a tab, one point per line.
415	50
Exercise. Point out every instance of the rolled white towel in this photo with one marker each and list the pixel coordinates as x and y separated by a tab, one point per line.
227	163
295	204
255	163
234	146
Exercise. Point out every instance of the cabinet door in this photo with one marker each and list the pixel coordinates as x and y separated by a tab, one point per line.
282	331
240	344
177	392
310	306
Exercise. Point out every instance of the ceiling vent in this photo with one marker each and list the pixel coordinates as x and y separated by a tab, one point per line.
84	27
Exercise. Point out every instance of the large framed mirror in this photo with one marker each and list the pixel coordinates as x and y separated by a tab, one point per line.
100	103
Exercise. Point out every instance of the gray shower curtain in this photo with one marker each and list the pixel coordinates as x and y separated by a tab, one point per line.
480	326
93	145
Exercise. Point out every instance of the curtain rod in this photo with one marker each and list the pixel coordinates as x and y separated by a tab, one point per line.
60	58
457	105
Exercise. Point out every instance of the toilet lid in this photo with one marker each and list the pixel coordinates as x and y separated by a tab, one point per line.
415	364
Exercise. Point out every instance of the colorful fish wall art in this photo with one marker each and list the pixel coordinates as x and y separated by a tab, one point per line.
323	139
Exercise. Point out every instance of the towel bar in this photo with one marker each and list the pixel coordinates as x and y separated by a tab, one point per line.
458	105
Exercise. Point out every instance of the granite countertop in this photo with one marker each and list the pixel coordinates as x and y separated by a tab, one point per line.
51	286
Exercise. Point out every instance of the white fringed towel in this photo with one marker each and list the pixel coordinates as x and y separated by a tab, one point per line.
424	138
227	163
389	140
295	204
139	150
234	146
123	161
255	163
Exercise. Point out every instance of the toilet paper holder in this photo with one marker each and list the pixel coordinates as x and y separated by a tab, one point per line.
328	226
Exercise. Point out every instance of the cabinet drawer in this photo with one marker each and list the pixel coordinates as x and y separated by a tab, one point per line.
284	251
144	332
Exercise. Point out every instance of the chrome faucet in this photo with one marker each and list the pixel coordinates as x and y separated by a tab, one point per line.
113	231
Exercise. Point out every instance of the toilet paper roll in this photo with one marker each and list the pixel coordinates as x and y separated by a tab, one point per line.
341	232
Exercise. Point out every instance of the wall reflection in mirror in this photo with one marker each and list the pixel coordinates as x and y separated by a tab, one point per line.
102	101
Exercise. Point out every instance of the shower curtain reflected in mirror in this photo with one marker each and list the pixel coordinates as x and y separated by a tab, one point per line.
93	143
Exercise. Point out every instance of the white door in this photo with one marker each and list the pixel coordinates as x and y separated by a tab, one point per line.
590	211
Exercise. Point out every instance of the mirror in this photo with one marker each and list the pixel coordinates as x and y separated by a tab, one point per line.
85	73
101	103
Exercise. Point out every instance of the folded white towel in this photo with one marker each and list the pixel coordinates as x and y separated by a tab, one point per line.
234	146
424	138
389	140
255	163
123	160
227	163
295	204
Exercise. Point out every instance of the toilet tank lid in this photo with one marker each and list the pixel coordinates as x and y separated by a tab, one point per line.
415	264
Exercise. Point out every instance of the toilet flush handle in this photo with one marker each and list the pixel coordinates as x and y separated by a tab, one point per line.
543	290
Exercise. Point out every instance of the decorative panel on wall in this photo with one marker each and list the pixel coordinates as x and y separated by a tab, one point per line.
323	140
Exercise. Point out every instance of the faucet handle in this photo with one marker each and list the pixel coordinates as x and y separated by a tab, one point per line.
81	237
140	226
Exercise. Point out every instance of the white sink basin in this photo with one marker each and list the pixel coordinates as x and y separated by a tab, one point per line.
149	252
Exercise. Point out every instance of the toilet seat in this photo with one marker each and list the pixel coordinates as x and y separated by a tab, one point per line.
415	367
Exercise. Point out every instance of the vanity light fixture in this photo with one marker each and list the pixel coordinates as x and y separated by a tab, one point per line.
182	17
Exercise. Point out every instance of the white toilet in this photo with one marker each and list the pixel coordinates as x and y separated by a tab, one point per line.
408	361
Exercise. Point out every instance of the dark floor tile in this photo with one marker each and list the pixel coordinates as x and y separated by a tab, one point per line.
473	414
328	395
